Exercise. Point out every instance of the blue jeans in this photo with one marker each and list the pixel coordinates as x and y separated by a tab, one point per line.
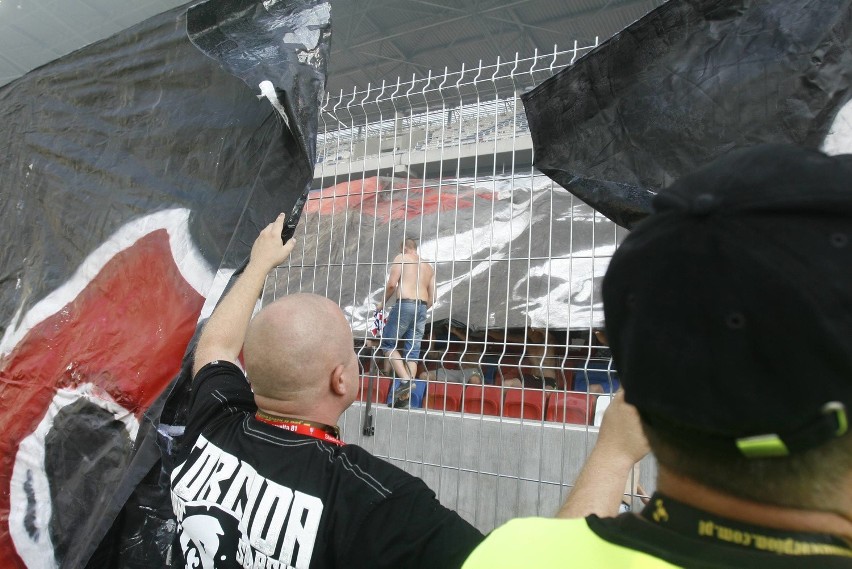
406	321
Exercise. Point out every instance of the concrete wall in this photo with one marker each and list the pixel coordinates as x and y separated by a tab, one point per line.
489	469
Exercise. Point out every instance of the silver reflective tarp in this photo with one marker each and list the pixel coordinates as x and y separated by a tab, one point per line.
509	252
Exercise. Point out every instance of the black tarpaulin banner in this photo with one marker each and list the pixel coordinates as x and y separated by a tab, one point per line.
508	251
135	171
685	84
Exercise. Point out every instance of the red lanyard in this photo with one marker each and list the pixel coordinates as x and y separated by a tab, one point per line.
315	430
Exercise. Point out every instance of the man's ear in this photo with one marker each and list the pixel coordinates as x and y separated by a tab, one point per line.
337	380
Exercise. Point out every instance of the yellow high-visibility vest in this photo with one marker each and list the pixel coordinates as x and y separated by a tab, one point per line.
544	543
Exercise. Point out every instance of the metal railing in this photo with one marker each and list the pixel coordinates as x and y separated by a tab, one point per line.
448	159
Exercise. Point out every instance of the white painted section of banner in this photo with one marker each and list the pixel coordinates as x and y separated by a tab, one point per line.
839	139
214	292
194	269
29	490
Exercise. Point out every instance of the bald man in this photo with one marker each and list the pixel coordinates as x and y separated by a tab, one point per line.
264	479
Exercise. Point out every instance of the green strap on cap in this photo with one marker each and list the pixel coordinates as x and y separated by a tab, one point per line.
832	422
762	446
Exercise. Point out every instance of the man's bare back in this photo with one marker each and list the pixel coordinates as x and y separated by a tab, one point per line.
416	278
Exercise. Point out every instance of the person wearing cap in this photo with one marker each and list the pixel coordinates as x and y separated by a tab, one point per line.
737	285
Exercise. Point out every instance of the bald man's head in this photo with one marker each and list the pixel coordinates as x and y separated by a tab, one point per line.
293	346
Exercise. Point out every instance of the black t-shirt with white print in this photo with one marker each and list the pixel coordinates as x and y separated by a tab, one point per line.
248	494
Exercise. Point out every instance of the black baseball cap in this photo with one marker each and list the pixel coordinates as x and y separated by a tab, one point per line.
729	308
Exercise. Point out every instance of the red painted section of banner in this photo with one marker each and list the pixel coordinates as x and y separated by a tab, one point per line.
387	202
126	332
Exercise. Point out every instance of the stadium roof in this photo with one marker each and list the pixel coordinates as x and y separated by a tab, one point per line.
372	39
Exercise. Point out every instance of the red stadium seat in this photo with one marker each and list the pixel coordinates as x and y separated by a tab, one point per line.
362	390
381	386
384	388
576	408
525	403
508	368
441	396
567	378
483	399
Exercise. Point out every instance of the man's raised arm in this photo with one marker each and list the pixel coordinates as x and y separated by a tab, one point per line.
621	443
223	334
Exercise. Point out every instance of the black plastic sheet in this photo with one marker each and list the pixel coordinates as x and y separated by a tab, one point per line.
508	252
135	170
685	84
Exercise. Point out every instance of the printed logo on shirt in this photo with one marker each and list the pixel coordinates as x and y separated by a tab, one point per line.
228	515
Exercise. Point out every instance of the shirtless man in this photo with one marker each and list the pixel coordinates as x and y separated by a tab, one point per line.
413	282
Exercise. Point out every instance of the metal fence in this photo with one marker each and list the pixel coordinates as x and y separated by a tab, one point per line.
447	160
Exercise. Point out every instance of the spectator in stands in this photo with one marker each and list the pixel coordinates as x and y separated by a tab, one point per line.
467	352
598	375
467	373
265	480
539	365
412	280
716	305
